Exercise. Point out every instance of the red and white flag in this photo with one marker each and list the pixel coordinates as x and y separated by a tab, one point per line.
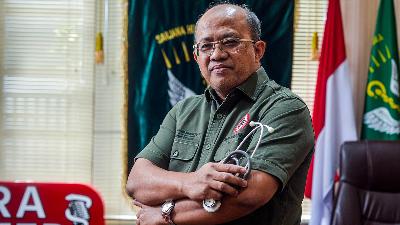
333	116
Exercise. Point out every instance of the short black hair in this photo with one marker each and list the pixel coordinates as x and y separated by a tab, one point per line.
251	17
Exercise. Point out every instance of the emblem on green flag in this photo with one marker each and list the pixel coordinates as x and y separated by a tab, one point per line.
381	119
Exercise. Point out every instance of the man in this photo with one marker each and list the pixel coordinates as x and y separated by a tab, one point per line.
179	168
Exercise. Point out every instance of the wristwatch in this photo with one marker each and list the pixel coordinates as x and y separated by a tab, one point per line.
166	211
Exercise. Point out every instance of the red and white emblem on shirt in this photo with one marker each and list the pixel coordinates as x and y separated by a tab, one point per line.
242	123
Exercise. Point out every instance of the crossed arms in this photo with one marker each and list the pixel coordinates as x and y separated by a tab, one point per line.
150	186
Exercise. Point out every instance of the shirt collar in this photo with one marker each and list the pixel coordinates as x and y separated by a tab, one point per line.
208	94
251	87
212	95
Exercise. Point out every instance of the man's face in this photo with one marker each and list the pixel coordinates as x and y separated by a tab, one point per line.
226	69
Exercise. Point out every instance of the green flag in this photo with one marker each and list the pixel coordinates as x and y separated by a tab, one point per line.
381	120
161	68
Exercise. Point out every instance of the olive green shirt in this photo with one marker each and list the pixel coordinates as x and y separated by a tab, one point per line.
202	129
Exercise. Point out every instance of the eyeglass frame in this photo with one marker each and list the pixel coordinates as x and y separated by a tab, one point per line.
196	46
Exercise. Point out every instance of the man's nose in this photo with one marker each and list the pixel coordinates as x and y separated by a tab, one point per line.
218	52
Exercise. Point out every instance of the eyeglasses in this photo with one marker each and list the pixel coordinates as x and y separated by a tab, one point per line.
226	44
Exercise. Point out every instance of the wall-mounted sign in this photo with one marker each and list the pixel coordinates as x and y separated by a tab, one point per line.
23	203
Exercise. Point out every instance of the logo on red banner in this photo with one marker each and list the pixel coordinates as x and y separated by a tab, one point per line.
242	123
49	204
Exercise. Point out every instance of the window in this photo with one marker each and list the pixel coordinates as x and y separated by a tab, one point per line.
47	90
107	151
60	114
309	18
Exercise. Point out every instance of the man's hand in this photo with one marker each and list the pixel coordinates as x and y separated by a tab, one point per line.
148	215
213	180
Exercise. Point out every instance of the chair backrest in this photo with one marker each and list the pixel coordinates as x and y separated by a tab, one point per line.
369	186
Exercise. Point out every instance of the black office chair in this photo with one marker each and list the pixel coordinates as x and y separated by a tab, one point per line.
369	186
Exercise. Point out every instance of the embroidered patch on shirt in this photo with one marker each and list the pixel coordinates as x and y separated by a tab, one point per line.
242	123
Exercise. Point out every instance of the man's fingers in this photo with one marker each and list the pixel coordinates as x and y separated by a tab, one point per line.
229	168
224	188
138	214
230	179
137	203
214	195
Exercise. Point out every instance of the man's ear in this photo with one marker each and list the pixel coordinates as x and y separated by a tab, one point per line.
195	56
259	48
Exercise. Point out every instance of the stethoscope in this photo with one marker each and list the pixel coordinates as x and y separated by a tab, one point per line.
211	205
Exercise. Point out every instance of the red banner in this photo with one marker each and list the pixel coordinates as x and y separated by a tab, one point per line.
49	204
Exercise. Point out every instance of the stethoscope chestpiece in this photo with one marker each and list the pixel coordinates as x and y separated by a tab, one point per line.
235	158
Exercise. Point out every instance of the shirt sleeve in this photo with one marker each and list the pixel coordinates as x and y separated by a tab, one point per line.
281	152
158	150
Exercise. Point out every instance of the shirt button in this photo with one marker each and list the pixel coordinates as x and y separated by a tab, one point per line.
175	154
219	116
208	146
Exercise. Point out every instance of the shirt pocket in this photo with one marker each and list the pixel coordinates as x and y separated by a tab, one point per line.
182	154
